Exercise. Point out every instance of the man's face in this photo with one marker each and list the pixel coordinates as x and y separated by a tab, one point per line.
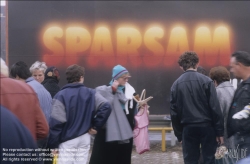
235	68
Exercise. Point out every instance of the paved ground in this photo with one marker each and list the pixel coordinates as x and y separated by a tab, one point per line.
173	154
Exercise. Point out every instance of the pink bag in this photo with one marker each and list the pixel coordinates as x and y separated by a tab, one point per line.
140	132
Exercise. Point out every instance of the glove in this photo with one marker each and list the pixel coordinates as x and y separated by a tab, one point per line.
242	114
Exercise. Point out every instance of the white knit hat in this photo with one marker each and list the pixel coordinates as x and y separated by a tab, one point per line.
4	68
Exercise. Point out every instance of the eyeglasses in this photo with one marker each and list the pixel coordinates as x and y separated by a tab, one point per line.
125	78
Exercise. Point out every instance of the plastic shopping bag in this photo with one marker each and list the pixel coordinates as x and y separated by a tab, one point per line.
140	132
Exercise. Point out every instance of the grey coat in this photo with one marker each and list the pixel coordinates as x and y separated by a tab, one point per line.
117	126
225	93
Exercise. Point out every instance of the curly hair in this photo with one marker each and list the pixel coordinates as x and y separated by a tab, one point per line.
188	60
220	74
74	73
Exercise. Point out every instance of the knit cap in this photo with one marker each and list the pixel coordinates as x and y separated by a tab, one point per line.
118	71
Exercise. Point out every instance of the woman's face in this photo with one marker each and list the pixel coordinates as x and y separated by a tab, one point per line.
122	80
38	75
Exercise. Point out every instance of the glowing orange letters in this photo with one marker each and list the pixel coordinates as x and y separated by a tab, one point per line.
216	50
151	49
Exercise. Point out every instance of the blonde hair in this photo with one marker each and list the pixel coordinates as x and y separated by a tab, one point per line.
38	66
4	68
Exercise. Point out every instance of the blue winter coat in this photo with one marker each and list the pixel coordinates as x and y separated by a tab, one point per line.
74	111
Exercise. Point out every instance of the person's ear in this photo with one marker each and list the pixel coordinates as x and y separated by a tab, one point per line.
81	79
181	68
215	83
197	65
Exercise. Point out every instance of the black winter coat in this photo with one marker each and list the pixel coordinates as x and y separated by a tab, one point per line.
240	100
51	85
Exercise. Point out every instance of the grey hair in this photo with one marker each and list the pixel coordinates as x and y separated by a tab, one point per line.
38	66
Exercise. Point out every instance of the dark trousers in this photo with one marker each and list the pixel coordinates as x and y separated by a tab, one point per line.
43	145
110	152
192	138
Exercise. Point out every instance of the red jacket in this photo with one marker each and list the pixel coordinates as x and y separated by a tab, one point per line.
21	100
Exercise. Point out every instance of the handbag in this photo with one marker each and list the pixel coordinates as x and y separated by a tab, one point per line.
140	132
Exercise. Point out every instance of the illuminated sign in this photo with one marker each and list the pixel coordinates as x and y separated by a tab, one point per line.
152	48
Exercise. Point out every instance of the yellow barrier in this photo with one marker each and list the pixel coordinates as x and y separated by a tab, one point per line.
163	135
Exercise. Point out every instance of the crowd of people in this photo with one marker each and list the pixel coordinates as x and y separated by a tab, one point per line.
206	112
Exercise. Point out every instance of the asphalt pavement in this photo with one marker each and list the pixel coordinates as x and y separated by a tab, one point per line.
172	155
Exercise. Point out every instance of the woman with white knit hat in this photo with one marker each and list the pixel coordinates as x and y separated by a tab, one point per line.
113	144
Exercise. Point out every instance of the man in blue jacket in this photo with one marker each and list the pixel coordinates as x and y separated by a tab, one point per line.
77	112
195	112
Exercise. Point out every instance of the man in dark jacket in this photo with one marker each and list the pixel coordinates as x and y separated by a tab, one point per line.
195	112
77	112
240	128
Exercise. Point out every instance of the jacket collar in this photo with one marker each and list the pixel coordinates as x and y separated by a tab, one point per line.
29	79
72	85
224	84
190	71
247	81
50	80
